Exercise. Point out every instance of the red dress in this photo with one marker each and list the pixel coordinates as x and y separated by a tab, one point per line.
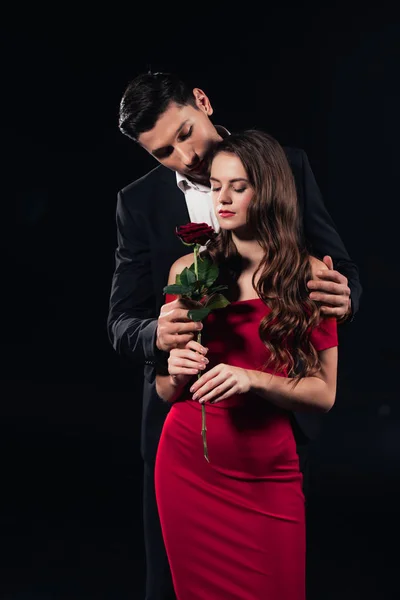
234	528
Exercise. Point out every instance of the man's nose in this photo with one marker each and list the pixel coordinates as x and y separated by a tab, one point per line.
187	156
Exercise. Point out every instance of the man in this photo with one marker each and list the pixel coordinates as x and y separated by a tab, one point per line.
172	123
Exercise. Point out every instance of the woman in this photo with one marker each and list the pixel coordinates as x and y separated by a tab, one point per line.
235	527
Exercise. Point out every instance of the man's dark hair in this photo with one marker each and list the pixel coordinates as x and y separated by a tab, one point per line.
147	97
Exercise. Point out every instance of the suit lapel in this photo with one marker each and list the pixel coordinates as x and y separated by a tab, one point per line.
176	204
174	211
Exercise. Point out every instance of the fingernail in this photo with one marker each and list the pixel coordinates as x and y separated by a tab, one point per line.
191	389
195	397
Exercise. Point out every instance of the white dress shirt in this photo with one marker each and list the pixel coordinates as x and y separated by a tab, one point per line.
198	202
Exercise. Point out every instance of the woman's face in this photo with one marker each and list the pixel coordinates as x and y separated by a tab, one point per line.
230	190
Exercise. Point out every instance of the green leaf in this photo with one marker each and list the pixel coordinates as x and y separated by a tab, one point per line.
176	289
217	301
187	277
197	296
211	275
208	272
204	265
217	288
178	279
198	314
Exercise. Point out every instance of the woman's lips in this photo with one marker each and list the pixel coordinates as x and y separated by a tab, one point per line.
225	214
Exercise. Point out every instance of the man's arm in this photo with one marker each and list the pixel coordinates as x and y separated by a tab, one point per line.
133	327
131	320
322	236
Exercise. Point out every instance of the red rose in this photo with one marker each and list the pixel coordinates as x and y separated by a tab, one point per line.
195	233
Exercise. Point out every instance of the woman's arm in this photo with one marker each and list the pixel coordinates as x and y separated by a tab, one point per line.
183	363
315	393
167	389
311	393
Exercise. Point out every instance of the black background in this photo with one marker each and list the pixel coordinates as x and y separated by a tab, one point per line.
325	79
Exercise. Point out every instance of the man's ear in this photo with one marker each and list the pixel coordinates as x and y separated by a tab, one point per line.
202	101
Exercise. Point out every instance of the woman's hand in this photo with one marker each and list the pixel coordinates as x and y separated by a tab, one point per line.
185	362
220	383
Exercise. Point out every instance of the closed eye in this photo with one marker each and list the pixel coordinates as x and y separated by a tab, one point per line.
239	191
187	135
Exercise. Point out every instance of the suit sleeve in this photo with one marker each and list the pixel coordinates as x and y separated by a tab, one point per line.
322	236
131	324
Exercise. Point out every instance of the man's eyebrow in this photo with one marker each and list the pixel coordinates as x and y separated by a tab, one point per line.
160	150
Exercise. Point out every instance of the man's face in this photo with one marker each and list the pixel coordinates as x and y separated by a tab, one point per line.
182	137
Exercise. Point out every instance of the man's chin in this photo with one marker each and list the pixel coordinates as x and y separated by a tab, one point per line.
202	180
201	177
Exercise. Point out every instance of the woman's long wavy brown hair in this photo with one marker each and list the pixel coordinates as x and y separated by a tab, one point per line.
274	220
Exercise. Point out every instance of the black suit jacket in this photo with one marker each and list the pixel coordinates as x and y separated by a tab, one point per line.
148	210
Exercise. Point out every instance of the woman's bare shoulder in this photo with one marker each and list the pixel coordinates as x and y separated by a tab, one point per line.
179	265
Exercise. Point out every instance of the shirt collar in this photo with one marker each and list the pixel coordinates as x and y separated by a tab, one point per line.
184	183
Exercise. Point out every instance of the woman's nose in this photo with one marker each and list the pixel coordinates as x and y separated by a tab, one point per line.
224	197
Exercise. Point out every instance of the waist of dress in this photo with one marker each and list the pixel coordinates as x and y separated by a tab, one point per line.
248	402
236	400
